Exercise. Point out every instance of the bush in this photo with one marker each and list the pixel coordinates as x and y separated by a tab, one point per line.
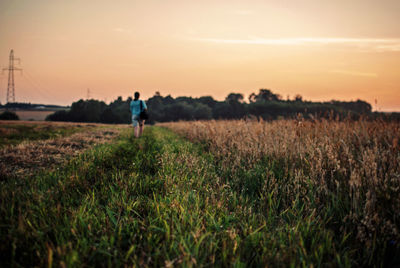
58	116
7	115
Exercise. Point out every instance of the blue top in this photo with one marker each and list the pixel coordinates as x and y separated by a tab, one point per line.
135	107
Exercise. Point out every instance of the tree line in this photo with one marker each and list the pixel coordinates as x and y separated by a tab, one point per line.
264	104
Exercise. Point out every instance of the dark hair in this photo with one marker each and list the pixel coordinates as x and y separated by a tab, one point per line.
137	95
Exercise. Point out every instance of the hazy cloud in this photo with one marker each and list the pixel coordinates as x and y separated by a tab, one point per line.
354	73
121	30
242	12
365	44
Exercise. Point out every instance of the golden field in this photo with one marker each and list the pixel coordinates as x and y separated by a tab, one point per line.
355	163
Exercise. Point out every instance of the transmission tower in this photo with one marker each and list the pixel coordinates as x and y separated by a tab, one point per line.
11	84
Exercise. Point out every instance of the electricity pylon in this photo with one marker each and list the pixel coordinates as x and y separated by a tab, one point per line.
11	84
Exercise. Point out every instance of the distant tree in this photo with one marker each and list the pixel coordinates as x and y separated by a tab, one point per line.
298	97
207	100
120	111
202	112
222	110
178	111
59	116
7	115
87	111
359	106
188	100
264	95
234	97
363	106
157	105
265	104
252	97
108	116
267	95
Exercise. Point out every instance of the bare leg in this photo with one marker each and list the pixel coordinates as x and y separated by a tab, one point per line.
141	128
136	131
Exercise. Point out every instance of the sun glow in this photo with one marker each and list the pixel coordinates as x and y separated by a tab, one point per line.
322	50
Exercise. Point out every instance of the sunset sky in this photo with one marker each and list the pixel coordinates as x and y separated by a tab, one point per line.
323	50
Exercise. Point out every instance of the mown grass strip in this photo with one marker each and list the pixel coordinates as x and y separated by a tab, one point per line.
13	134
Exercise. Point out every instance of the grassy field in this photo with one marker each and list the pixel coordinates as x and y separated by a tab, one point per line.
26	147
217	193
15	132
31	115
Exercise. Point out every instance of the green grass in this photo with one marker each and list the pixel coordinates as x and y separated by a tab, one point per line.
161	200
12	134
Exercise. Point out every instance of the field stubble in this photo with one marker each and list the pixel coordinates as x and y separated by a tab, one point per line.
31	147
349	171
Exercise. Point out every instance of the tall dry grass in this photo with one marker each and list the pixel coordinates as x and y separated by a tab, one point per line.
352	166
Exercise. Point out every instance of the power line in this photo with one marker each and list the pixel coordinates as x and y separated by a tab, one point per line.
37	89
38	83
38	86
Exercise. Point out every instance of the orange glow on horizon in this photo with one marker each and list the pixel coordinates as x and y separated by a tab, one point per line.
344	50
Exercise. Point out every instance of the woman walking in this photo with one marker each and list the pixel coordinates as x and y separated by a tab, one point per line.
137	107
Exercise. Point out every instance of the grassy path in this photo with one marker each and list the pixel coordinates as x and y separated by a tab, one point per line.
156	201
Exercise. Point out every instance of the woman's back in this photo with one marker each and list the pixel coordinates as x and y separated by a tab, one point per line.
135	106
